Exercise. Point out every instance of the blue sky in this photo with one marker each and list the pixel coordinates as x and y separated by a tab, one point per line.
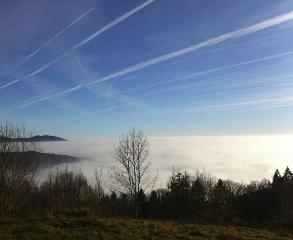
96	68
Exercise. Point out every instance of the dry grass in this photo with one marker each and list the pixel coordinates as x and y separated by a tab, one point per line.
86	228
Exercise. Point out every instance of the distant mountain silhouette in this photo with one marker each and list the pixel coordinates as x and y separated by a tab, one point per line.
45	138
38	138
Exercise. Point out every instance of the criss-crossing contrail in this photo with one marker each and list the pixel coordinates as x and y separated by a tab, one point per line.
83	42
49	41
210	42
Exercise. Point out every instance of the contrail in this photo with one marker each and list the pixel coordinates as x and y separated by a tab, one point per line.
201	73
115	22
72	89
210	42
223	89
284	29
213	41
269	103
194	85
79	86
247	105
33	73
50	40
86	40
239	64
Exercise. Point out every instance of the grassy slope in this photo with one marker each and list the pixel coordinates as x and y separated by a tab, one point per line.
70	228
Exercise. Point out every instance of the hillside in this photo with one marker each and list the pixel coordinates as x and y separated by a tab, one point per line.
45	160
49	159
106	229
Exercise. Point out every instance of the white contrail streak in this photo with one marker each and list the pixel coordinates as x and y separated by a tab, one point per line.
221	90
49	41
239	64
284	29
239	85
274	102
201	73
114	23
83	42
213	41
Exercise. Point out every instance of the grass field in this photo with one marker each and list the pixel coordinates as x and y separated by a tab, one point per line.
84	228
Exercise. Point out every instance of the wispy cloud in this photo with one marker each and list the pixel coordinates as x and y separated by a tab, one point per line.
109	92
210	42
80	64
83	42
48	43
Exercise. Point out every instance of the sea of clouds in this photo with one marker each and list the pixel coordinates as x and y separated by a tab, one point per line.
240	158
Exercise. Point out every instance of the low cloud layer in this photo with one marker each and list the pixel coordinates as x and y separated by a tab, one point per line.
240	158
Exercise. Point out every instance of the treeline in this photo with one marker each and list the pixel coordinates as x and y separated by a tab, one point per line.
206	200
198	198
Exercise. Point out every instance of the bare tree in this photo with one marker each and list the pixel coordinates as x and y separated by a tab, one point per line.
66	189
17	163
134	171
98	185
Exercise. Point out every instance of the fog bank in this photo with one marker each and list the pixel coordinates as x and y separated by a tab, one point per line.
240	158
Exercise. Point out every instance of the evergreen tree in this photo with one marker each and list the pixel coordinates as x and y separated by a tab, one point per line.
154	205
198	198
287	193
179	195
141	204
219	200
277	177
277	194
287	176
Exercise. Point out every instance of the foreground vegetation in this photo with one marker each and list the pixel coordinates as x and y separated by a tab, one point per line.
84	206
113	228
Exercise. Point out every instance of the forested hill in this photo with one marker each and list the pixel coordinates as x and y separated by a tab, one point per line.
43	160
49	159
